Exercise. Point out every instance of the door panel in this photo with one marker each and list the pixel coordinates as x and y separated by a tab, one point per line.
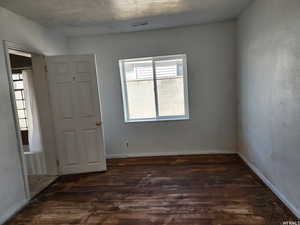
91	141
64	99
76	108
71	156
85	99
62	72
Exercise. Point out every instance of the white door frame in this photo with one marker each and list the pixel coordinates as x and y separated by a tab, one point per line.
8	45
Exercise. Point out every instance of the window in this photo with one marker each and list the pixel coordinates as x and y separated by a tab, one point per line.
20	100
155	88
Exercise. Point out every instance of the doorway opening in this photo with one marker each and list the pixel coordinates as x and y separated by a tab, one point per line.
56	107
28	122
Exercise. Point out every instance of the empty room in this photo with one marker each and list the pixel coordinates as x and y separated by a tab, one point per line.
150	112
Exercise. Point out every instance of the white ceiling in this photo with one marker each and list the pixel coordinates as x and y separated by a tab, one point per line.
81	17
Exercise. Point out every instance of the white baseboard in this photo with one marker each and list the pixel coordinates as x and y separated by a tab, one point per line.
151	154
115	156
274	189
12	211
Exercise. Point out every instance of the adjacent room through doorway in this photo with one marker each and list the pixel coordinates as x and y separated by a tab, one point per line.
28	122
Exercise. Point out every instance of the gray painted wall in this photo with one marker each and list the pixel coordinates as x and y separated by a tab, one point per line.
17	29
269	93
211	53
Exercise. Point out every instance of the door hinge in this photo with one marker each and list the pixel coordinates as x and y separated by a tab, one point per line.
46	69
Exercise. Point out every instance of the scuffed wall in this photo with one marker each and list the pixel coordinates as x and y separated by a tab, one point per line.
269	92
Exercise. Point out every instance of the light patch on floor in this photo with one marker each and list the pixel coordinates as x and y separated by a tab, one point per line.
37	183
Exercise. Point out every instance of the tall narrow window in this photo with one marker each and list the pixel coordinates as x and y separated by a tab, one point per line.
155	88
20	100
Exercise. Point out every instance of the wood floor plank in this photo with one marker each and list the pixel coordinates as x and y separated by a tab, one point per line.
177	190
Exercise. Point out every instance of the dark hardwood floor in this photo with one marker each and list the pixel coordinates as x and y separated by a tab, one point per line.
187	190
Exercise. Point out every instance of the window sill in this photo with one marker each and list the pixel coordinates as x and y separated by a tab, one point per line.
32	153
158	120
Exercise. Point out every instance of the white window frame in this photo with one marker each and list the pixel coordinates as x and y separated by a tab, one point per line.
157	118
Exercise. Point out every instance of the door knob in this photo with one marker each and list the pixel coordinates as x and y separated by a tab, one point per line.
98	123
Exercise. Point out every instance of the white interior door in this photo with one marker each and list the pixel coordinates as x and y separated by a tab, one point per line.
77	117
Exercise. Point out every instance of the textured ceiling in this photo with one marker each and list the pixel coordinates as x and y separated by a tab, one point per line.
77	17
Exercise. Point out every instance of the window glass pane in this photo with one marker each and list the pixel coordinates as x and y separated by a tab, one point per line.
18	95
20	104
142	84
23	124
15	77
18	85
140	89
21	114
25	112
170	87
